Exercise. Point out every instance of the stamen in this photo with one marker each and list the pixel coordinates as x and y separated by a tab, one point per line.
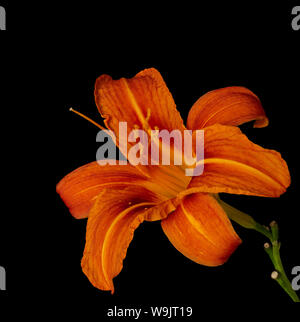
148	115
88	119
135	134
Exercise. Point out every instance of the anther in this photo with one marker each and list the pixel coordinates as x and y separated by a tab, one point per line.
135	134
148	114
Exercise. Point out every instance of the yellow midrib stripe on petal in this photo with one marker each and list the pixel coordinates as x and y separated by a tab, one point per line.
107	184
241	165
135	105
121	215
196	225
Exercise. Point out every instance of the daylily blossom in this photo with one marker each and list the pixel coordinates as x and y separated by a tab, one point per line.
117	199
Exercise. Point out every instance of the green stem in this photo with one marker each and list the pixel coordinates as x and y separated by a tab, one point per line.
272	250
282	279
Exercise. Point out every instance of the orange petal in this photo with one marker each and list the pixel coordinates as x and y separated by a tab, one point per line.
233	164
143	100
110	228
228	106
80	188
161	210
201	231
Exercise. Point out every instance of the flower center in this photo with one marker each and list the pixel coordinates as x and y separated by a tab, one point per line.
168	180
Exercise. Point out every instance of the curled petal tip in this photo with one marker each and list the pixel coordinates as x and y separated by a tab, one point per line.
260	123
233	105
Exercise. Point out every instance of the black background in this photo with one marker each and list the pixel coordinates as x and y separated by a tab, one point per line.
51	55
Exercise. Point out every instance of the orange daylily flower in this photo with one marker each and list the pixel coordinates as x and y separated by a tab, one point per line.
116	199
